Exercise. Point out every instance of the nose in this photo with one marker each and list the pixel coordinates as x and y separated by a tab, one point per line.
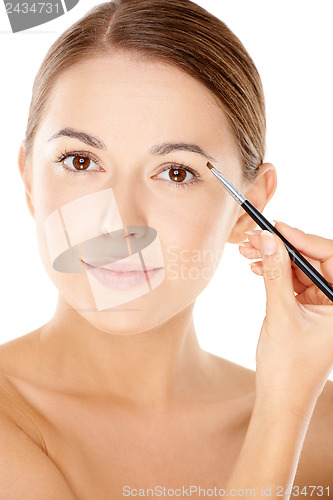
135	232
124	219
117	244
125	207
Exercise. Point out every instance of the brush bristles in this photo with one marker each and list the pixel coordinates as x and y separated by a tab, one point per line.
209	165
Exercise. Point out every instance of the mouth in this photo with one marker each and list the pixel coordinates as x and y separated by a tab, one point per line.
121	276
121	267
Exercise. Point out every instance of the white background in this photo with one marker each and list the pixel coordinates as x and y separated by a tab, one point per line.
291	45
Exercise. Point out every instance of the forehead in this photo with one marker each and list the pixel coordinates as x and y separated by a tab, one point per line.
122	96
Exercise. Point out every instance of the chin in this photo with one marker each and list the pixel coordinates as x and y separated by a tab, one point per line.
123	320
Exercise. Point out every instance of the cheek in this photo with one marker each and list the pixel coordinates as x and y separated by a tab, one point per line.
73	287
193	242
202	225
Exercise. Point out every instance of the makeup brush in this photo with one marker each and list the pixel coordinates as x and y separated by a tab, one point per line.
295	256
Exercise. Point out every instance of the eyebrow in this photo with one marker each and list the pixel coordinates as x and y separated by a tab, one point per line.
163	149
82	136
158	149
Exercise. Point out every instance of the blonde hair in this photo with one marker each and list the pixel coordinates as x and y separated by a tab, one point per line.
175	31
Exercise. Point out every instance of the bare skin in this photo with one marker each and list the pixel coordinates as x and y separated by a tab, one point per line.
131	398
96	440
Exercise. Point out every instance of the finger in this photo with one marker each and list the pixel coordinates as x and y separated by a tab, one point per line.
298	286
249	251
278	276
325	267
305	295
313	295
311	245
300	278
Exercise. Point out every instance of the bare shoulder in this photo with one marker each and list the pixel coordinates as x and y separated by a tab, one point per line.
240	380
25	470
17	355
18	363
29	472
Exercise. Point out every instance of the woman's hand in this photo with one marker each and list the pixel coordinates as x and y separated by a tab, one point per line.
294	355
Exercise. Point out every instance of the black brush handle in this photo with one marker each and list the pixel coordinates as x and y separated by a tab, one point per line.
295	256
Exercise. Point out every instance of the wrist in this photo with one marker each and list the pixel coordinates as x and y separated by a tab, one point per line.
278	406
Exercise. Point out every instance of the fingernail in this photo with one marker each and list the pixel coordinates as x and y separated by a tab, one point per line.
269	245
245	244
280	222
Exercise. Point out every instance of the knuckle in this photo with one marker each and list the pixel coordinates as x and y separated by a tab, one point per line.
272	273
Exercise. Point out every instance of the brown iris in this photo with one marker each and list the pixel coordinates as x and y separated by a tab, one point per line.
177	174
81	162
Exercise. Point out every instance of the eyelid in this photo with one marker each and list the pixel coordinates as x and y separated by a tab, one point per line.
196	176
182	166
86	154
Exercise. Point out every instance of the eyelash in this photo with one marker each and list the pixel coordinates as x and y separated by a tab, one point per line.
68	154
187	168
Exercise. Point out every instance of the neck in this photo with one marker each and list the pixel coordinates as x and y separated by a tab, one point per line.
156	367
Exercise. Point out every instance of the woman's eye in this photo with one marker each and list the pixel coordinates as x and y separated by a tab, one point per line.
178	175
79	163
73	162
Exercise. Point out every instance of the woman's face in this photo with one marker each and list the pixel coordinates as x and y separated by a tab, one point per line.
117	200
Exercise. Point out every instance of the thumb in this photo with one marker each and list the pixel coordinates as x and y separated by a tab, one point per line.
277	273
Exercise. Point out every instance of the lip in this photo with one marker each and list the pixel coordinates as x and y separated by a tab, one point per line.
120	266
121	280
